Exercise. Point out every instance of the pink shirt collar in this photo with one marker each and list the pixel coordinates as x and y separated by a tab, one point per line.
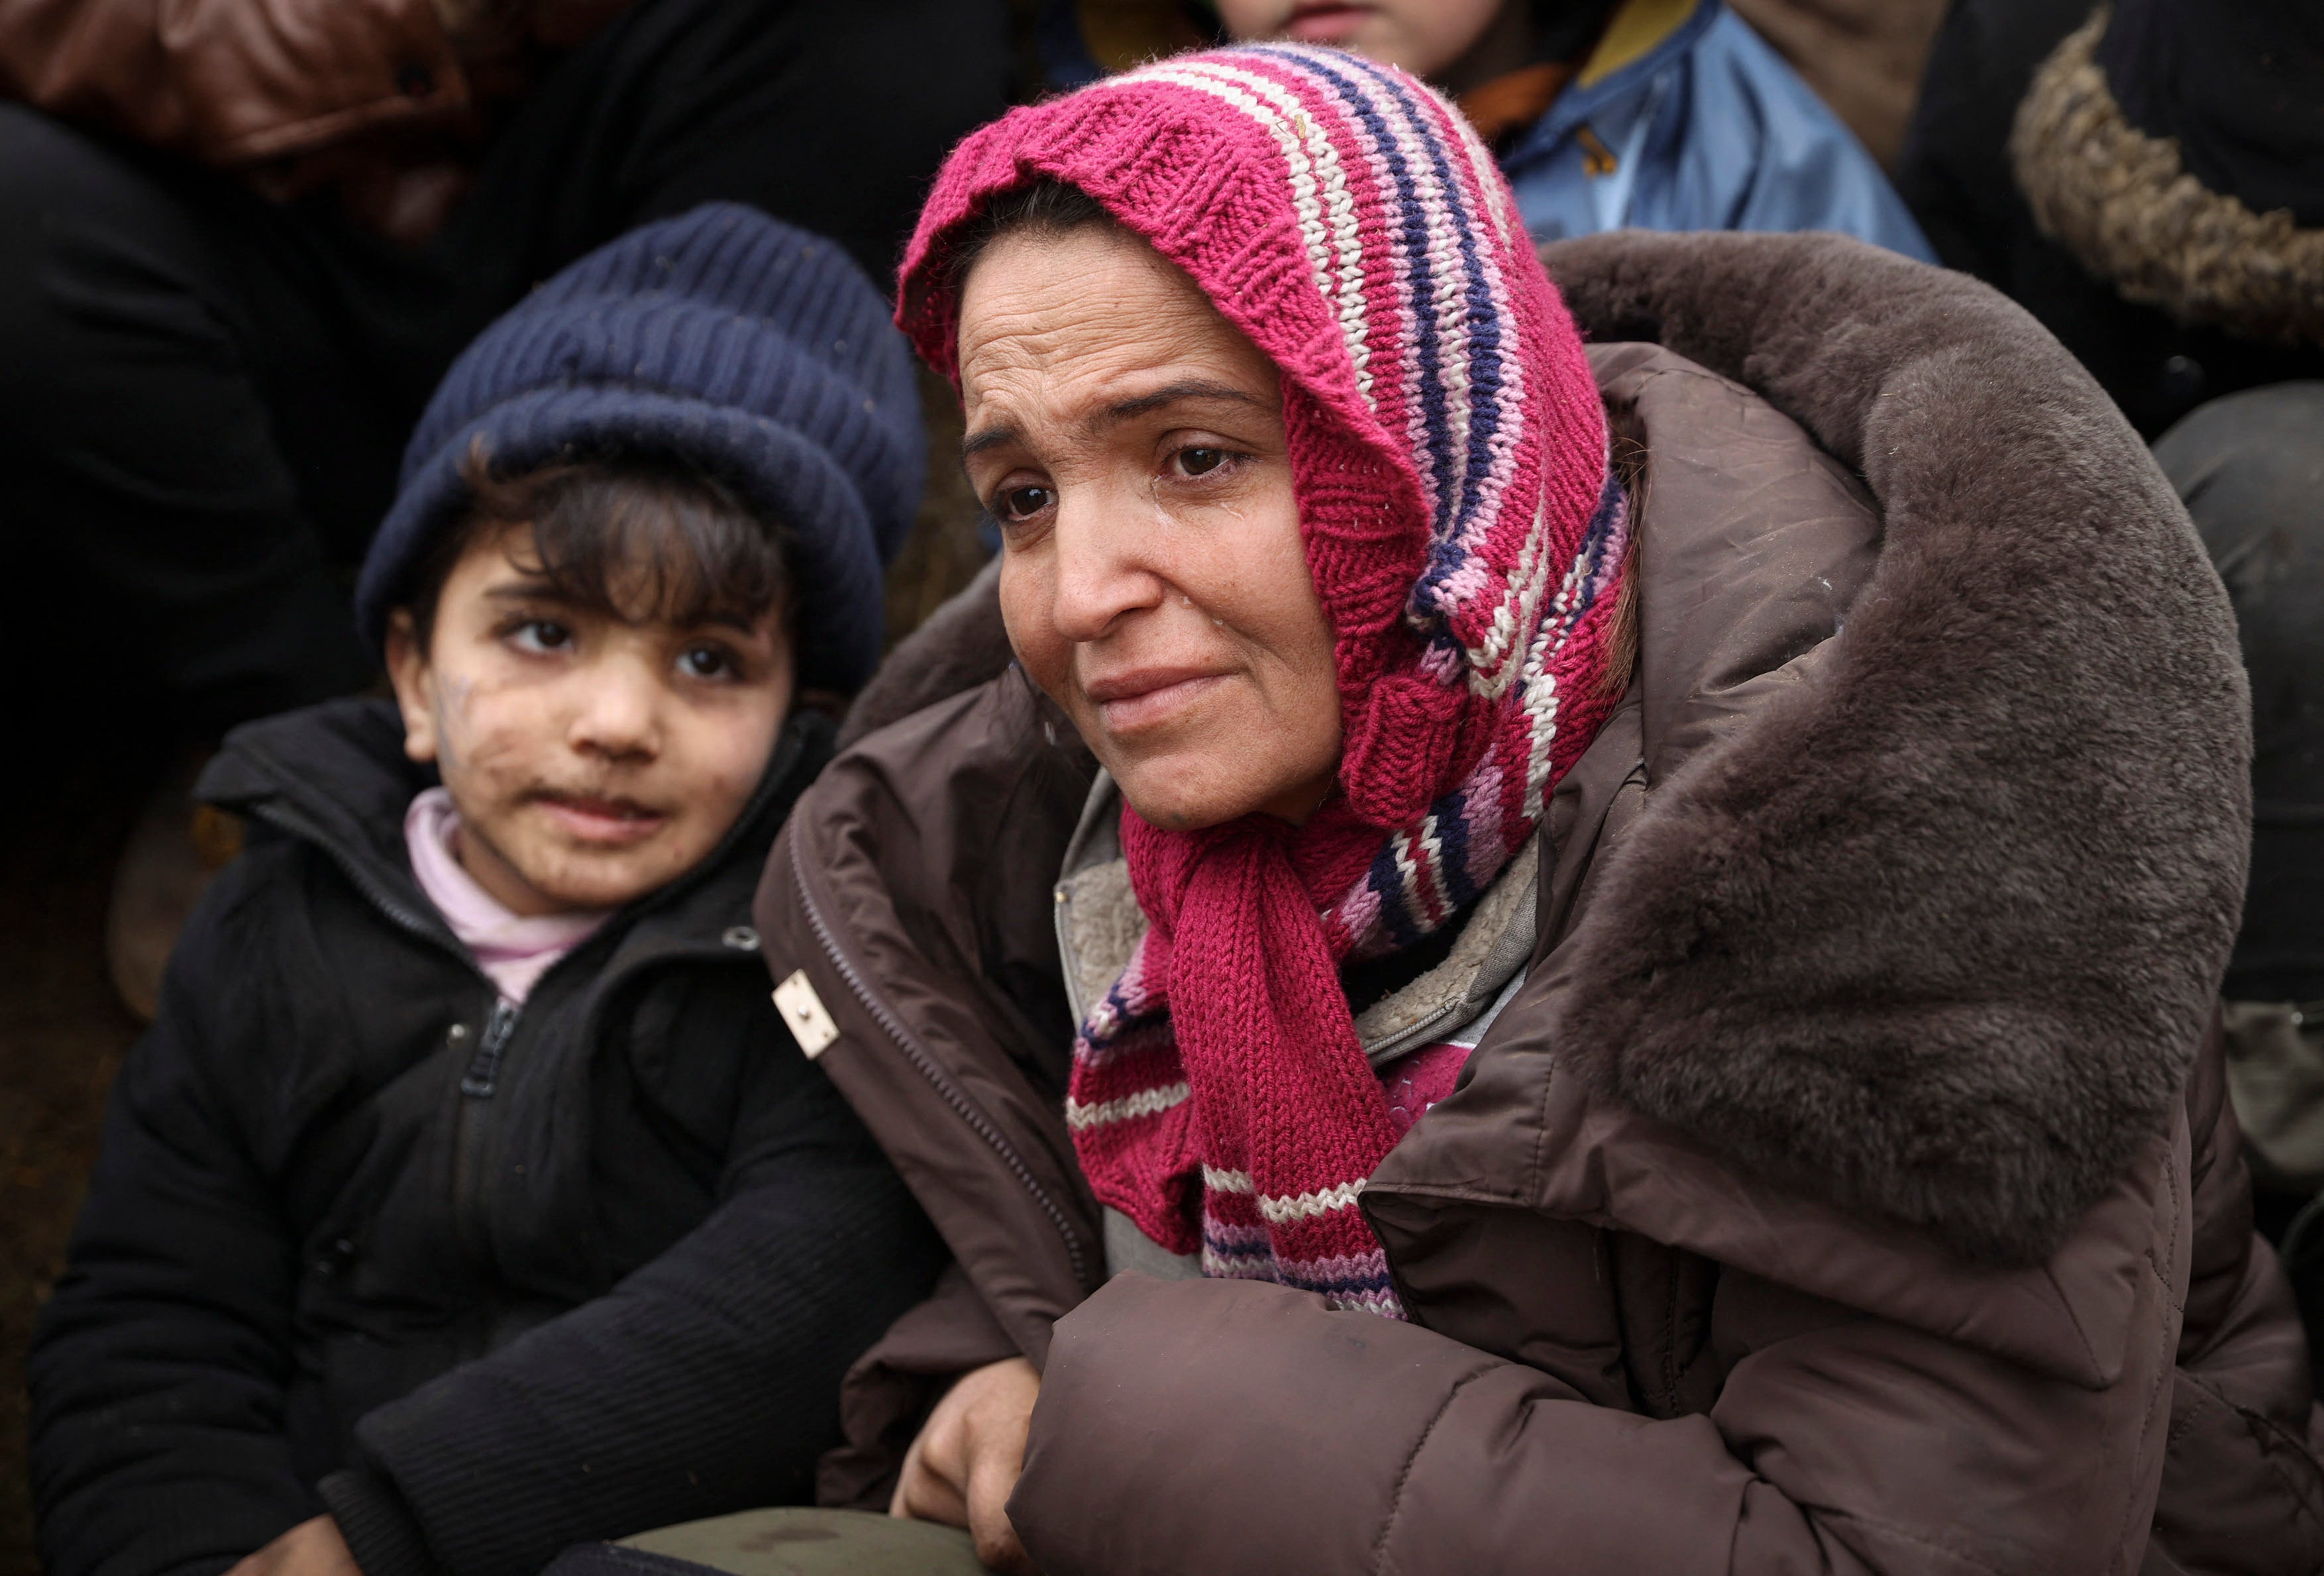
513	950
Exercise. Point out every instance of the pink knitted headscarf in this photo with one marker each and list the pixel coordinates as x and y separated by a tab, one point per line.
1449	456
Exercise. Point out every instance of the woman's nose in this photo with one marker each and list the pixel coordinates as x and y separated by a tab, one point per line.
1105	563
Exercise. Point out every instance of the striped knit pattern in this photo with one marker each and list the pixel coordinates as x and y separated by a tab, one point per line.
1448	450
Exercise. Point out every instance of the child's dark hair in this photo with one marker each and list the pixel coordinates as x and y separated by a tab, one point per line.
622	534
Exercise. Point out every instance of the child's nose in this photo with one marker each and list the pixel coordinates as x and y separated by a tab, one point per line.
619	714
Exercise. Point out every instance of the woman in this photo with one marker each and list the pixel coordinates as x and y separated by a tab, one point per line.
1643	1002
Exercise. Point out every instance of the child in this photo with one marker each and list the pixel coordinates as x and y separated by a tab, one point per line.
1665	114
468	1197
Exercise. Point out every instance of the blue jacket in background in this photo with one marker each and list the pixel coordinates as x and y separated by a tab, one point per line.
1686	119
1682	119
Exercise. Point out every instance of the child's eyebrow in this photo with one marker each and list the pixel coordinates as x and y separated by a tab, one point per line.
540	593
528	591
741	623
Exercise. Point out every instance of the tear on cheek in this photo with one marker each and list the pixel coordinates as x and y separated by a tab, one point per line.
477	752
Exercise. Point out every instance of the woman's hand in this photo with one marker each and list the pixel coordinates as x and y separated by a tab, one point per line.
312	1548
965	1463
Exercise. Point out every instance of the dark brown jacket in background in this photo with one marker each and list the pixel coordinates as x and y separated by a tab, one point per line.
1849	1187
369	95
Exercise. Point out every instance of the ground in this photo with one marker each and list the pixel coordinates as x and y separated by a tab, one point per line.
61	1037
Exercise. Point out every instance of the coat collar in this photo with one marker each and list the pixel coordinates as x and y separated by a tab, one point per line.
1641	40
1909	895
2125	202
1100	925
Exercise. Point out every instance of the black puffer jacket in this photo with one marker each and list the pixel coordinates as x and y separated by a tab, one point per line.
495	1282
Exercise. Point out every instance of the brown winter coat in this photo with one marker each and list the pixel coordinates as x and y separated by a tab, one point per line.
1849	1187
372	95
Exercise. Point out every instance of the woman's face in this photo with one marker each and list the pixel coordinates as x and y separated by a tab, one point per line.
1129	442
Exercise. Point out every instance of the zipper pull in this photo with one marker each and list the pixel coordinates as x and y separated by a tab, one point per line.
485	1071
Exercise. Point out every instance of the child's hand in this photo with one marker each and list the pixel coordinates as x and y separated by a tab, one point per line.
312	1548
966	1461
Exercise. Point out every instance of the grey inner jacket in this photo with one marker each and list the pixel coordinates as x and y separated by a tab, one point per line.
1850	1186
1100	925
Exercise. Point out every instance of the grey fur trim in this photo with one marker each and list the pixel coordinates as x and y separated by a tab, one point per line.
2120	201
1938	934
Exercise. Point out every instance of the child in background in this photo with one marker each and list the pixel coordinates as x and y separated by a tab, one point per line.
1662	114
469	1197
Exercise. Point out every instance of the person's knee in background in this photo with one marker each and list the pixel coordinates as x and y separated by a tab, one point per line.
2250	466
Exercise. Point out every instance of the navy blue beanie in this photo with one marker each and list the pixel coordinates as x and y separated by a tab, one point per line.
722	339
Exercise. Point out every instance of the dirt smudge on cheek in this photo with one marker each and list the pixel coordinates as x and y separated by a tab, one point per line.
491	738
453	694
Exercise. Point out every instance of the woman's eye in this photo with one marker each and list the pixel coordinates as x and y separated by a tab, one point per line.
1200	462
541	634
706	662
1022	502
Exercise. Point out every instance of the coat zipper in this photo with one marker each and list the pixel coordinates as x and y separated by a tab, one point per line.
483	1073
483	1076
477	1087
914	1052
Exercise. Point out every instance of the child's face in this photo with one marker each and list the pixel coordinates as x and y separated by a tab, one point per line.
592	759
1423	36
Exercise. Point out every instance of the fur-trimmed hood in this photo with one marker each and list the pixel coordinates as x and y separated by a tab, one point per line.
2134	208
1935	931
